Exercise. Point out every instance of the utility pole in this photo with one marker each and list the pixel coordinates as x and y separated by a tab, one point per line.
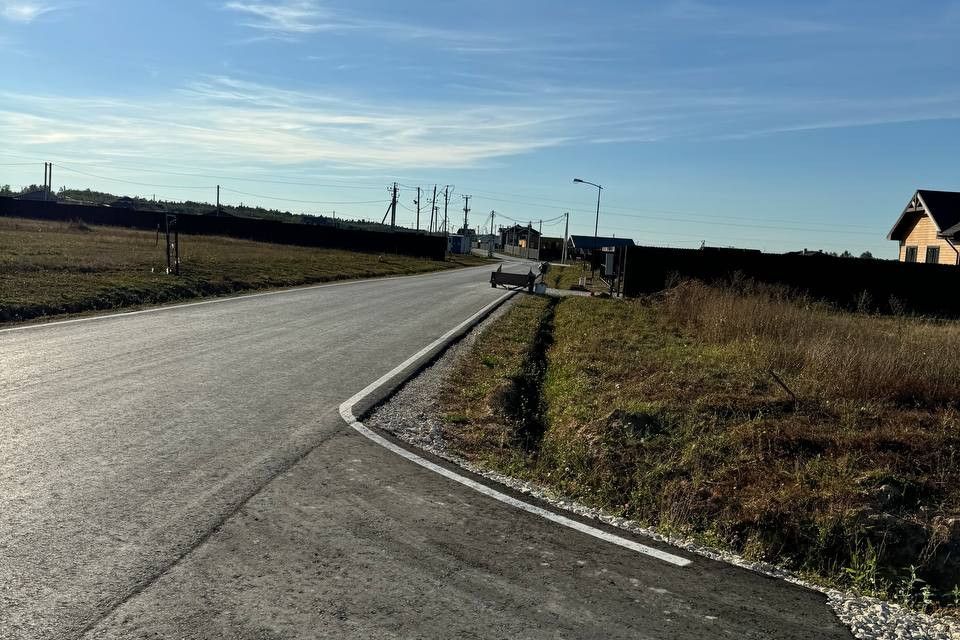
466	211
393	208
173	261
540	240
493	214
529	229
47	170
417	202
446	201
433	208
566	234
218	200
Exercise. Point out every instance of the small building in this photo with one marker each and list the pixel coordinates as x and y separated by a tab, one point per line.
585	246
551	249
518	236
487	241
928	230
469	234
520	240
458	244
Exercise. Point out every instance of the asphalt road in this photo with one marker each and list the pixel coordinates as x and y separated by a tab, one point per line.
185	474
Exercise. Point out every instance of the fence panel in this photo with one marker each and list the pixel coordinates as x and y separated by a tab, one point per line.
882	285
260	230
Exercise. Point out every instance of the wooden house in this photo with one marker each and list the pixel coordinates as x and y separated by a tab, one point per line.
928	230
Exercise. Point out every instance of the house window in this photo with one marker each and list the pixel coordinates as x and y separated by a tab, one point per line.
933	254
910	255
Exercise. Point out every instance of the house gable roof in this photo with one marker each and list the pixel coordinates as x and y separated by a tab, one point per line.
519	228
943	207
589	243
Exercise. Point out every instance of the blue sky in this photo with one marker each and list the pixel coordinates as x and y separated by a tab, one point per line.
775	125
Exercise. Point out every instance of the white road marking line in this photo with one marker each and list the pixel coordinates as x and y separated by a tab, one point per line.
244	296
346	412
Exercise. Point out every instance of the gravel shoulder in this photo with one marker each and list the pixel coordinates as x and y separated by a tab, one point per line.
412	414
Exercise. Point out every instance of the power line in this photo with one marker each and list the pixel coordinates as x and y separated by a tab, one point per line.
739	224
714	220
138	184
268	197
721	238
519	199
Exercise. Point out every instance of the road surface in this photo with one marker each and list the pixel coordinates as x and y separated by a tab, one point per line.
184	473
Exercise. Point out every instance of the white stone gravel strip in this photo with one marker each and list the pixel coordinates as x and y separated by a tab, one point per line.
413	416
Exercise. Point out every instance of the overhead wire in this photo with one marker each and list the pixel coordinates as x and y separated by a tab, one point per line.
659	214
136	183
282	199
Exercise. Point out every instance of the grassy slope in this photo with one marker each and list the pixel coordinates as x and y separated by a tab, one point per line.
49	268
666	412
561	277
480	396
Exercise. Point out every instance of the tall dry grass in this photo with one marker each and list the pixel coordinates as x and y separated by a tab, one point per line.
820	352
663	410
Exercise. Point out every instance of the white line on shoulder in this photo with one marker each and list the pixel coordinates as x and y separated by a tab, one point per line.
346	412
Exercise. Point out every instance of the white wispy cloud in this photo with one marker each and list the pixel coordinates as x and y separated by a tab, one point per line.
290	19
24	12
226	121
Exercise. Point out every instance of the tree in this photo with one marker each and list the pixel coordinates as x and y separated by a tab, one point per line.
846	254
5	190
866	255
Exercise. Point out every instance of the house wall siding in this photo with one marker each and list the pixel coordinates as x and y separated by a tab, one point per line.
923	234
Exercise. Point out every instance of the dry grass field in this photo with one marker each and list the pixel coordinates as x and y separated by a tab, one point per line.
51	268
754	420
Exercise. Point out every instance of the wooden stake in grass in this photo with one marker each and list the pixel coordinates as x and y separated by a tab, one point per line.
783	384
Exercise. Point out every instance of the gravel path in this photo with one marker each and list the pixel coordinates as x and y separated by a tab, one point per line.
412	415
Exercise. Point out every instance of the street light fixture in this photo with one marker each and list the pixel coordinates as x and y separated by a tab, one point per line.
596	226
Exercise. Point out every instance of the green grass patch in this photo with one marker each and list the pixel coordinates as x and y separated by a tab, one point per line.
481	398
568	277
52	268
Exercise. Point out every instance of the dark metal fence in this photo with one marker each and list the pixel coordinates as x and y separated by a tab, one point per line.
852	283
308	235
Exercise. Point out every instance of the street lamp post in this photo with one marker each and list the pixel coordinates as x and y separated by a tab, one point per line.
596	225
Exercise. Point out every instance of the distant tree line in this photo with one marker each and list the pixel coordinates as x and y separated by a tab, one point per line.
102	198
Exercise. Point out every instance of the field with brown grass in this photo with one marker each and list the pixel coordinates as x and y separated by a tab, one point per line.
753	419
53	268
